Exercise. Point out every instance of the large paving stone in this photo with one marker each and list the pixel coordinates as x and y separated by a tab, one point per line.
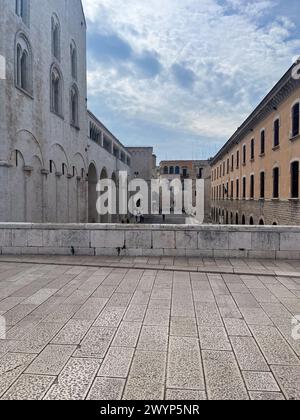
91	309
73	332
110	317
96	342
117	363
223	378
153	338
157	317
184	364
127	334
11	367
208	314
29	387
248	354
237	327
147	376
185	395
214	338
275	348
183	327
75	380
106	389
288	378
51	361
260	381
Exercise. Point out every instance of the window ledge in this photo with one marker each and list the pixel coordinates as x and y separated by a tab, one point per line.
275	199
252	160
294	200
262	155
57	115
276	148
25	92
294	138
76	127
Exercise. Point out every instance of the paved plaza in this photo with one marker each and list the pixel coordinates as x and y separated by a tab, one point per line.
149	328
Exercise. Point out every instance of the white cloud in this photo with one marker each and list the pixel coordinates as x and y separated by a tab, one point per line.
235	60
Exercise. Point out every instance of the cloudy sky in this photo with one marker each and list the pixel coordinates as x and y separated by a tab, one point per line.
182	75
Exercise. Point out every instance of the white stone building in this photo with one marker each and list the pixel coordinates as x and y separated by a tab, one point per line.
52	151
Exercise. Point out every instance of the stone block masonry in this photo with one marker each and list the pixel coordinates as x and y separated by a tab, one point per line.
274	242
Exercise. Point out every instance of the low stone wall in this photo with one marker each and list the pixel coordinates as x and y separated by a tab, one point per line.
276	242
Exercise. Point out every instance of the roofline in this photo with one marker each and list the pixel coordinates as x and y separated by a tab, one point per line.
83	13
275	90
108	131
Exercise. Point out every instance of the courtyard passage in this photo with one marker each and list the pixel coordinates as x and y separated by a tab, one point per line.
104	328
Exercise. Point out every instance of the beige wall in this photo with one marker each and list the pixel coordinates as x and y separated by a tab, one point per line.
281	157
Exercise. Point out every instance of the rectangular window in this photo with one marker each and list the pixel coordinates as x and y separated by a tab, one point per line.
276	183
237	159
232	190
237	189
252	186
276	133
244	188
262	185
262	142
252	149
232	163
295	120
244	154
295	180
227	166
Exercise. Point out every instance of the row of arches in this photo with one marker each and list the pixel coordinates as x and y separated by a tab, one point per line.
93	178
222	216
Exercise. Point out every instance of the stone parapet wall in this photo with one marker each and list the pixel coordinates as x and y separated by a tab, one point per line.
274	242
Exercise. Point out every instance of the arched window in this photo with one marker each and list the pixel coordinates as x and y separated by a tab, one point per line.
237	219
251	223
74	106
172	170
243	220
166	170
177	170
56	91
261	222
23	76
55	31
22	10
73	56
295	120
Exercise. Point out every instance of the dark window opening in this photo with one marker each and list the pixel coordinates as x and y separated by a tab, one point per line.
276	183
262	185
295	120
252	186
262	142
295	180
276	133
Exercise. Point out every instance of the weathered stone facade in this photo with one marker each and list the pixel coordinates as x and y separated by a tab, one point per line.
49	164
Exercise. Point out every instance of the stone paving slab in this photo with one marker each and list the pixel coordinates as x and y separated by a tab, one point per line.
93	329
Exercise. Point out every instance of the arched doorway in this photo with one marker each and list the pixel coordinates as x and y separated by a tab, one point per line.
251	222
237	222
243	220
261	222
92	193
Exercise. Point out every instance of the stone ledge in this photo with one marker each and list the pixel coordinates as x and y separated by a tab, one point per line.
154	240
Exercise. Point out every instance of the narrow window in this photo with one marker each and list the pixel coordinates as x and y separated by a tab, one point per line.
73	52
23	67
227	166
244	154
262	142
237	159
295	120
262	185
276	183
56	92
232	190
252	149
232	163
295	180
55	37
171	170
74	106
252	186
244	188
276	133
237	189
